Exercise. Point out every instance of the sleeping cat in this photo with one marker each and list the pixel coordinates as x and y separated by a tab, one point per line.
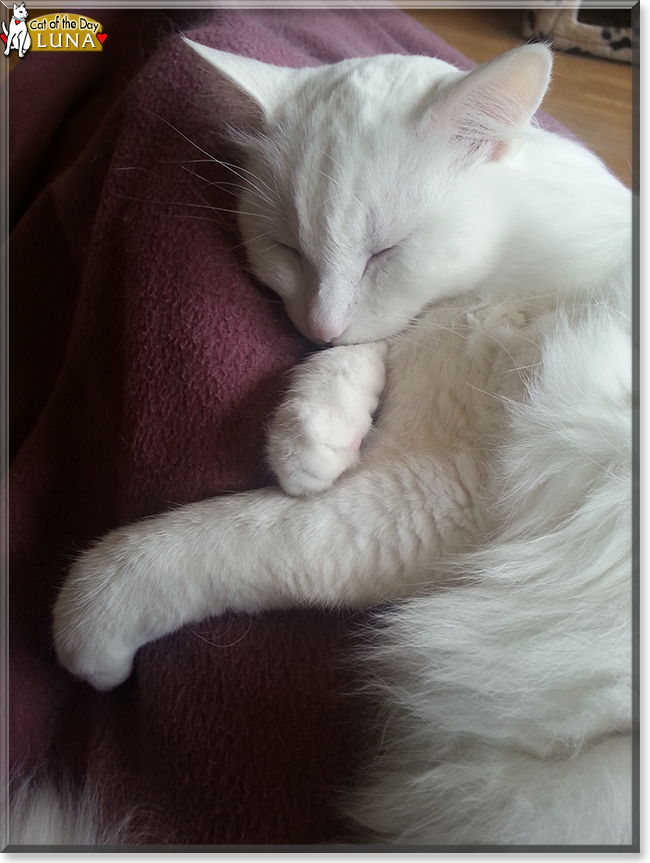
464	440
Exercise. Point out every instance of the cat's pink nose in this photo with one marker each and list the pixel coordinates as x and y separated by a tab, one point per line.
325	321
325	334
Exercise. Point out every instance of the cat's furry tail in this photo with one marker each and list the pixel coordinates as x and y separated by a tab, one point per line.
48	812
508	701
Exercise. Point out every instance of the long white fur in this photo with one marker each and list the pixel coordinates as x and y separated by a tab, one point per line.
471	273
43	812
511	695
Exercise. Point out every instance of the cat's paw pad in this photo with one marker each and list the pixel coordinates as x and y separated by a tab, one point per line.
311	446
316	434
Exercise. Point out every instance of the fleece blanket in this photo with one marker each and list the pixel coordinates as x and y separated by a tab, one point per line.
145	361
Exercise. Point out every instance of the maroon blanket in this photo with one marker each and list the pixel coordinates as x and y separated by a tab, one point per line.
145	362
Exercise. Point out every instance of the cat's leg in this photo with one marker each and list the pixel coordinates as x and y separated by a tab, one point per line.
371	537
316	434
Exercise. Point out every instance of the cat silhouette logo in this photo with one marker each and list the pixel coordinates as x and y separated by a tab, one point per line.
18	35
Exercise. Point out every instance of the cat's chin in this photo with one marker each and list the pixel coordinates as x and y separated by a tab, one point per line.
341	341
337	341
361	339
357	335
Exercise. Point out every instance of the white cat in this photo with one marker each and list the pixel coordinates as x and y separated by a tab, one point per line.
471	273
18	36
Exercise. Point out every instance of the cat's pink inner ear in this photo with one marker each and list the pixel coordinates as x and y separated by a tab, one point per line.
513	86
497	100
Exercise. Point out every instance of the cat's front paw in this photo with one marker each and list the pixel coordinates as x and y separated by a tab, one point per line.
317	432
92	615
310	446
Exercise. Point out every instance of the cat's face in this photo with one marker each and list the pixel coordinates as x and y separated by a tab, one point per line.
362	204
20	12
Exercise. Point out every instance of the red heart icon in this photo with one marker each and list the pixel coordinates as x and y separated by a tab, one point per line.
3	37
102	37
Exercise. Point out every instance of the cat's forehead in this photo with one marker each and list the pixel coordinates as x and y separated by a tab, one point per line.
358	106
388	81
342	160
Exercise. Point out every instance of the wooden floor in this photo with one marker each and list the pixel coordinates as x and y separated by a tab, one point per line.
590	96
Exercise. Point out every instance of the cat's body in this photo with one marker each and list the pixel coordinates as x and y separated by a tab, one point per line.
18	35
473	276
508	700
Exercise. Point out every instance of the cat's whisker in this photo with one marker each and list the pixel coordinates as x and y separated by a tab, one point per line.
237	170
243	244
252	188
216	644
268	248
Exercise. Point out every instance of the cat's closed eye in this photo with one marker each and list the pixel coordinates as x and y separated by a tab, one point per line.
382	252
291	250
378	256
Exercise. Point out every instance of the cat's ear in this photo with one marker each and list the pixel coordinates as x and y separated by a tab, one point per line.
491	106
256	88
